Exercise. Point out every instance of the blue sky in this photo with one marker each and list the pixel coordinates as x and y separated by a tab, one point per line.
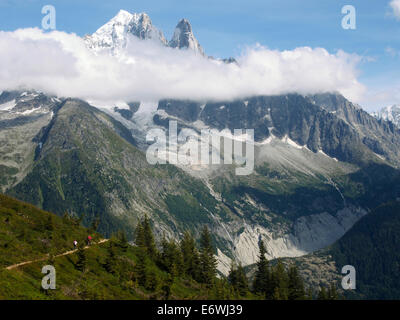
225	27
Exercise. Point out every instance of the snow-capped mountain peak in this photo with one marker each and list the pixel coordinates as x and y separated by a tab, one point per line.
184	38
114	34
389	113
123	17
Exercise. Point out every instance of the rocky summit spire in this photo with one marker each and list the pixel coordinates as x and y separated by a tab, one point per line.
184	38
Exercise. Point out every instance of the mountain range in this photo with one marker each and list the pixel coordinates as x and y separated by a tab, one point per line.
321	162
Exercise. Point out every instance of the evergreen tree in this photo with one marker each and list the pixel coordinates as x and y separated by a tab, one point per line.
279	281
296	284
141	268
110	263
149	238
190	256
232	278
171	258
262	277
166	288
139	236
145	238
237	278
122	241
151	281
208	263
196	270
81	263
221	290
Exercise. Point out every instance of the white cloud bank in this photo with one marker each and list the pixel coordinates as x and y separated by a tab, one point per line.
59	63
395	6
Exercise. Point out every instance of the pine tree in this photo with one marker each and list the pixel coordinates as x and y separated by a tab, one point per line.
279	281
171	257
81	263
190	255
110	263
139	236
208	263
151	281
196	270
221	290
122	241
262	277
149	238
145	238
296	284
237	278
166	288
242	281
141	268
232	278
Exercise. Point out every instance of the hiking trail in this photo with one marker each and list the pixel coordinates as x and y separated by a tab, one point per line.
45	258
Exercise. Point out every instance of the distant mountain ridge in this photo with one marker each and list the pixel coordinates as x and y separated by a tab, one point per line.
324	122
389	113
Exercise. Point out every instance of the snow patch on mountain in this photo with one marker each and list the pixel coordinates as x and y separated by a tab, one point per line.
389	113
34	110
8	105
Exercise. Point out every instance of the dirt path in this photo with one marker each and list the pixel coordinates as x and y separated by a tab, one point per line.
58	255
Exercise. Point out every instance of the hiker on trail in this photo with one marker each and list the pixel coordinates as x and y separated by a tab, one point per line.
75	244
89	240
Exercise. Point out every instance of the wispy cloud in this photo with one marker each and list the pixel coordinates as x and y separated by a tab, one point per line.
395	6
392	52
60	63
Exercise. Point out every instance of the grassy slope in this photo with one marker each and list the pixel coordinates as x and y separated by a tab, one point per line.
24	236
28	233
94	283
